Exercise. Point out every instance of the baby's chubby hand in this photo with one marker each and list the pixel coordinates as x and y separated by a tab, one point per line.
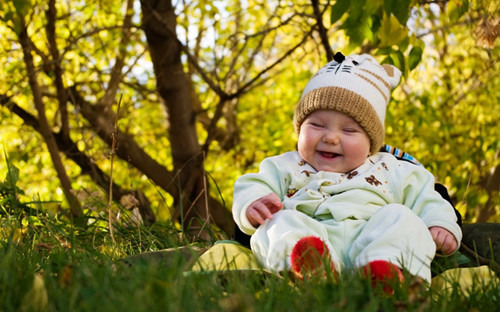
263	208
445	241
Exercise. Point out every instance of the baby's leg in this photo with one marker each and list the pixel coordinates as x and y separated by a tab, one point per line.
273	242
395	234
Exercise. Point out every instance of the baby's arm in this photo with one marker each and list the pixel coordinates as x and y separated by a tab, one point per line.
436	212
263	208
446	242
274	176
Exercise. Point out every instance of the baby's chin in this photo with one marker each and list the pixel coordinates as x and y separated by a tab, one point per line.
328	168
338	167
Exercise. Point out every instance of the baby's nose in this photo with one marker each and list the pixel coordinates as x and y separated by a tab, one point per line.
332	138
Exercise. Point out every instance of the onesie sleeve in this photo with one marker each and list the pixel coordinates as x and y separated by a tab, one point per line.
252	186
419	194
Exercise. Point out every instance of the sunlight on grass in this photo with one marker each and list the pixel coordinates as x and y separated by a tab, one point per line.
49	263
52	268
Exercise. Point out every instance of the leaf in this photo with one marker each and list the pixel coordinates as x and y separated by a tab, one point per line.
387	60
8	16
391	32
376	23
399	61
358	10
338	10
400	9
385	51
21	6
456	9
415	57
357	31
12	176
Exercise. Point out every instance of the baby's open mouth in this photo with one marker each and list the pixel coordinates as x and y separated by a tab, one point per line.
328	154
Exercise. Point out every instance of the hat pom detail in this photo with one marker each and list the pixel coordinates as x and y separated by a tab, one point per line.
339	57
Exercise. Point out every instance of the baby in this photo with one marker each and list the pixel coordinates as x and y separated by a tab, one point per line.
337	195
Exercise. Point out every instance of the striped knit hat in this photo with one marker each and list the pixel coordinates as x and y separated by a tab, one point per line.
356	85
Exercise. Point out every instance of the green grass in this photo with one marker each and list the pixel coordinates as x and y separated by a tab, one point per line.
47	264
54	267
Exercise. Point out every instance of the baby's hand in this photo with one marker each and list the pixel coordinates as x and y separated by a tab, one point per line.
263	208
445	241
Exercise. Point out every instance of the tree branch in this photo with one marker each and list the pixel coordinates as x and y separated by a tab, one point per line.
116	72
86	164
128	149
191	58
45	130
56	64
323	33
249	84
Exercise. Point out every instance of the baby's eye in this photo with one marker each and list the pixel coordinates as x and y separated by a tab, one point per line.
350	130
316	124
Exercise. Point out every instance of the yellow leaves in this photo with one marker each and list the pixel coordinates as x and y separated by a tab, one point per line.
113	251
18	234
162	213
10	230
461	207
456	9
391	31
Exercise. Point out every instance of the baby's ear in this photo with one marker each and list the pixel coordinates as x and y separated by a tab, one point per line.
394	74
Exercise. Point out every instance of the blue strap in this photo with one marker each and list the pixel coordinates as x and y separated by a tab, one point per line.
399	154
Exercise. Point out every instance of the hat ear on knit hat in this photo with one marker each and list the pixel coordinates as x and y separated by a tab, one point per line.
356	85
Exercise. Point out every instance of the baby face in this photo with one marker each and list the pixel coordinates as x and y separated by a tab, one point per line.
333	141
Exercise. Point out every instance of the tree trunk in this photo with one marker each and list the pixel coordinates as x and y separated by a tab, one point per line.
492	185
193	206
45	129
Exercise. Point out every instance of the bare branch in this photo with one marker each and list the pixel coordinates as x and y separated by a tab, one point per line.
56	64
116	72
323	34
249	84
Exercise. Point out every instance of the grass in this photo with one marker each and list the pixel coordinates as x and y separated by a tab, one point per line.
53	267
47	264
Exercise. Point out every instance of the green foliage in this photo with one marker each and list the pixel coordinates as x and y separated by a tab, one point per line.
415	57
449	97
400	9
10	203
457	9
338	10
9	191
450	78
382	25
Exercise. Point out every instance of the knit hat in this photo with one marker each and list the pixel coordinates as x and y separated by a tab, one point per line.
356	85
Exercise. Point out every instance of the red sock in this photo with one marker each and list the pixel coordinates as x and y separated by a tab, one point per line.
308	255
384	273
